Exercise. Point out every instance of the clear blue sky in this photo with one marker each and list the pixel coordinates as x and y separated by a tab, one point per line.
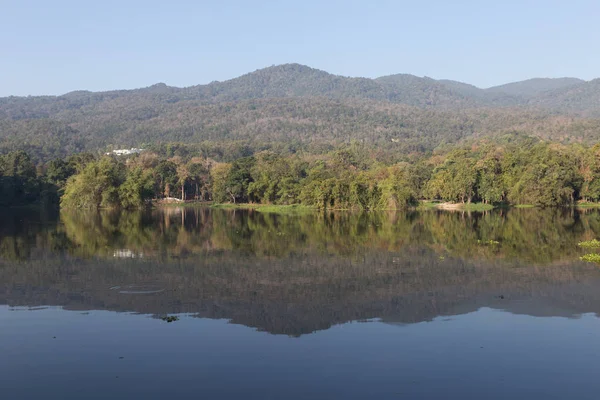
53	47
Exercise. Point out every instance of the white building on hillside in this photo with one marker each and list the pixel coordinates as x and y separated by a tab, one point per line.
124	152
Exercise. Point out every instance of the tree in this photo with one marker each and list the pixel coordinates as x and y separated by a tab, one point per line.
490	185
199	177
219	174
455	179
58	171
182	175
96	186
18	179
166	173
239	178
137	188
550	177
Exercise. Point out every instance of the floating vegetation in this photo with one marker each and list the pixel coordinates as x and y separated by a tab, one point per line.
592	257
488	242
170	318
590	244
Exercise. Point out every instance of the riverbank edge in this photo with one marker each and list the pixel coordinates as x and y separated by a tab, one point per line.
423	205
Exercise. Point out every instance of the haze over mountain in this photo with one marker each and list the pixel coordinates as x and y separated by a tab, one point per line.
296	103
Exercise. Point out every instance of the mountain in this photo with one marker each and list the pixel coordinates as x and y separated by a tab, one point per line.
295	80
288	80
583	98
293	103
465	89
536	86
300	81
482	96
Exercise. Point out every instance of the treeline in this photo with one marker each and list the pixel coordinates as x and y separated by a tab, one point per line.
527	171
22	183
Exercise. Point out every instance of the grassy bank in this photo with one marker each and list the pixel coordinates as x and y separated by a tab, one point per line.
587	205
423	205
192	204
524	206
267	208
428	205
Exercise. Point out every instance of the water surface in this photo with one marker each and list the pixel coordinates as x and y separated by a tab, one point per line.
338	305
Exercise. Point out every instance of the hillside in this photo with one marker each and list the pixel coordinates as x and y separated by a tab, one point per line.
536	86
583	98
293	103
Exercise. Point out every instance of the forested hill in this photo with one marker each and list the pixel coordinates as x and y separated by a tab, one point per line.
536	86
305	107
295	80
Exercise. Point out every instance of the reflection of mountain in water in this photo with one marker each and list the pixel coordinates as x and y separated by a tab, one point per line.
298	274
303	294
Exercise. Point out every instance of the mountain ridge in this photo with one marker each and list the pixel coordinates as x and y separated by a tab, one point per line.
297	80
569	81
294	103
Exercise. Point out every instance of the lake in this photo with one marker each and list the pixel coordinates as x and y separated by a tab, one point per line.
416	305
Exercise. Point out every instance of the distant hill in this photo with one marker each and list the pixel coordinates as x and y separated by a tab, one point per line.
583	98
293	103
536	86
300	81
484	97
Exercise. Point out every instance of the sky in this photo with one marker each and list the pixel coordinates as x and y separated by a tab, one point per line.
54	47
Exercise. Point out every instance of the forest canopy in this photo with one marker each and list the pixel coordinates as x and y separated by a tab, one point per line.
524	171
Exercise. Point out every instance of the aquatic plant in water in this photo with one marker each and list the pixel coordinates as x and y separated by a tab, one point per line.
589	243
489	242
592	257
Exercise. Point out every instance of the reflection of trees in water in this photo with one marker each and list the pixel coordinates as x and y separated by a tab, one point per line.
25	232
297	274
537	236
301	294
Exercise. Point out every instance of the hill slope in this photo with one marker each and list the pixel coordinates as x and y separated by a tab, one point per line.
536	86
293	103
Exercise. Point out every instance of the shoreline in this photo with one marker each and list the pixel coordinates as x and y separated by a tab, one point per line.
423	205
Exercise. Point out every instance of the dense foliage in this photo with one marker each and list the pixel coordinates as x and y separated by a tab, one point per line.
355	176
19	181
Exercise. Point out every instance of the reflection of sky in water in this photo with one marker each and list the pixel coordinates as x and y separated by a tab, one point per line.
482	355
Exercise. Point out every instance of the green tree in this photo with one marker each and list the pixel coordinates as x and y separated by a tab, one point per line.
219	174
96	186
166	176
18	179
239	179
137	188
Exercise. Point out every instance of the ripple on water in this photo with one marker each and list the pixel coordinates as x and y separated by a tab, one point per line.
138	289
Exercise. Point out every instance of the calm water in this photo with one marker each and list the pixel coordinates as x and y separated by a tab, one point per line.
394	305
